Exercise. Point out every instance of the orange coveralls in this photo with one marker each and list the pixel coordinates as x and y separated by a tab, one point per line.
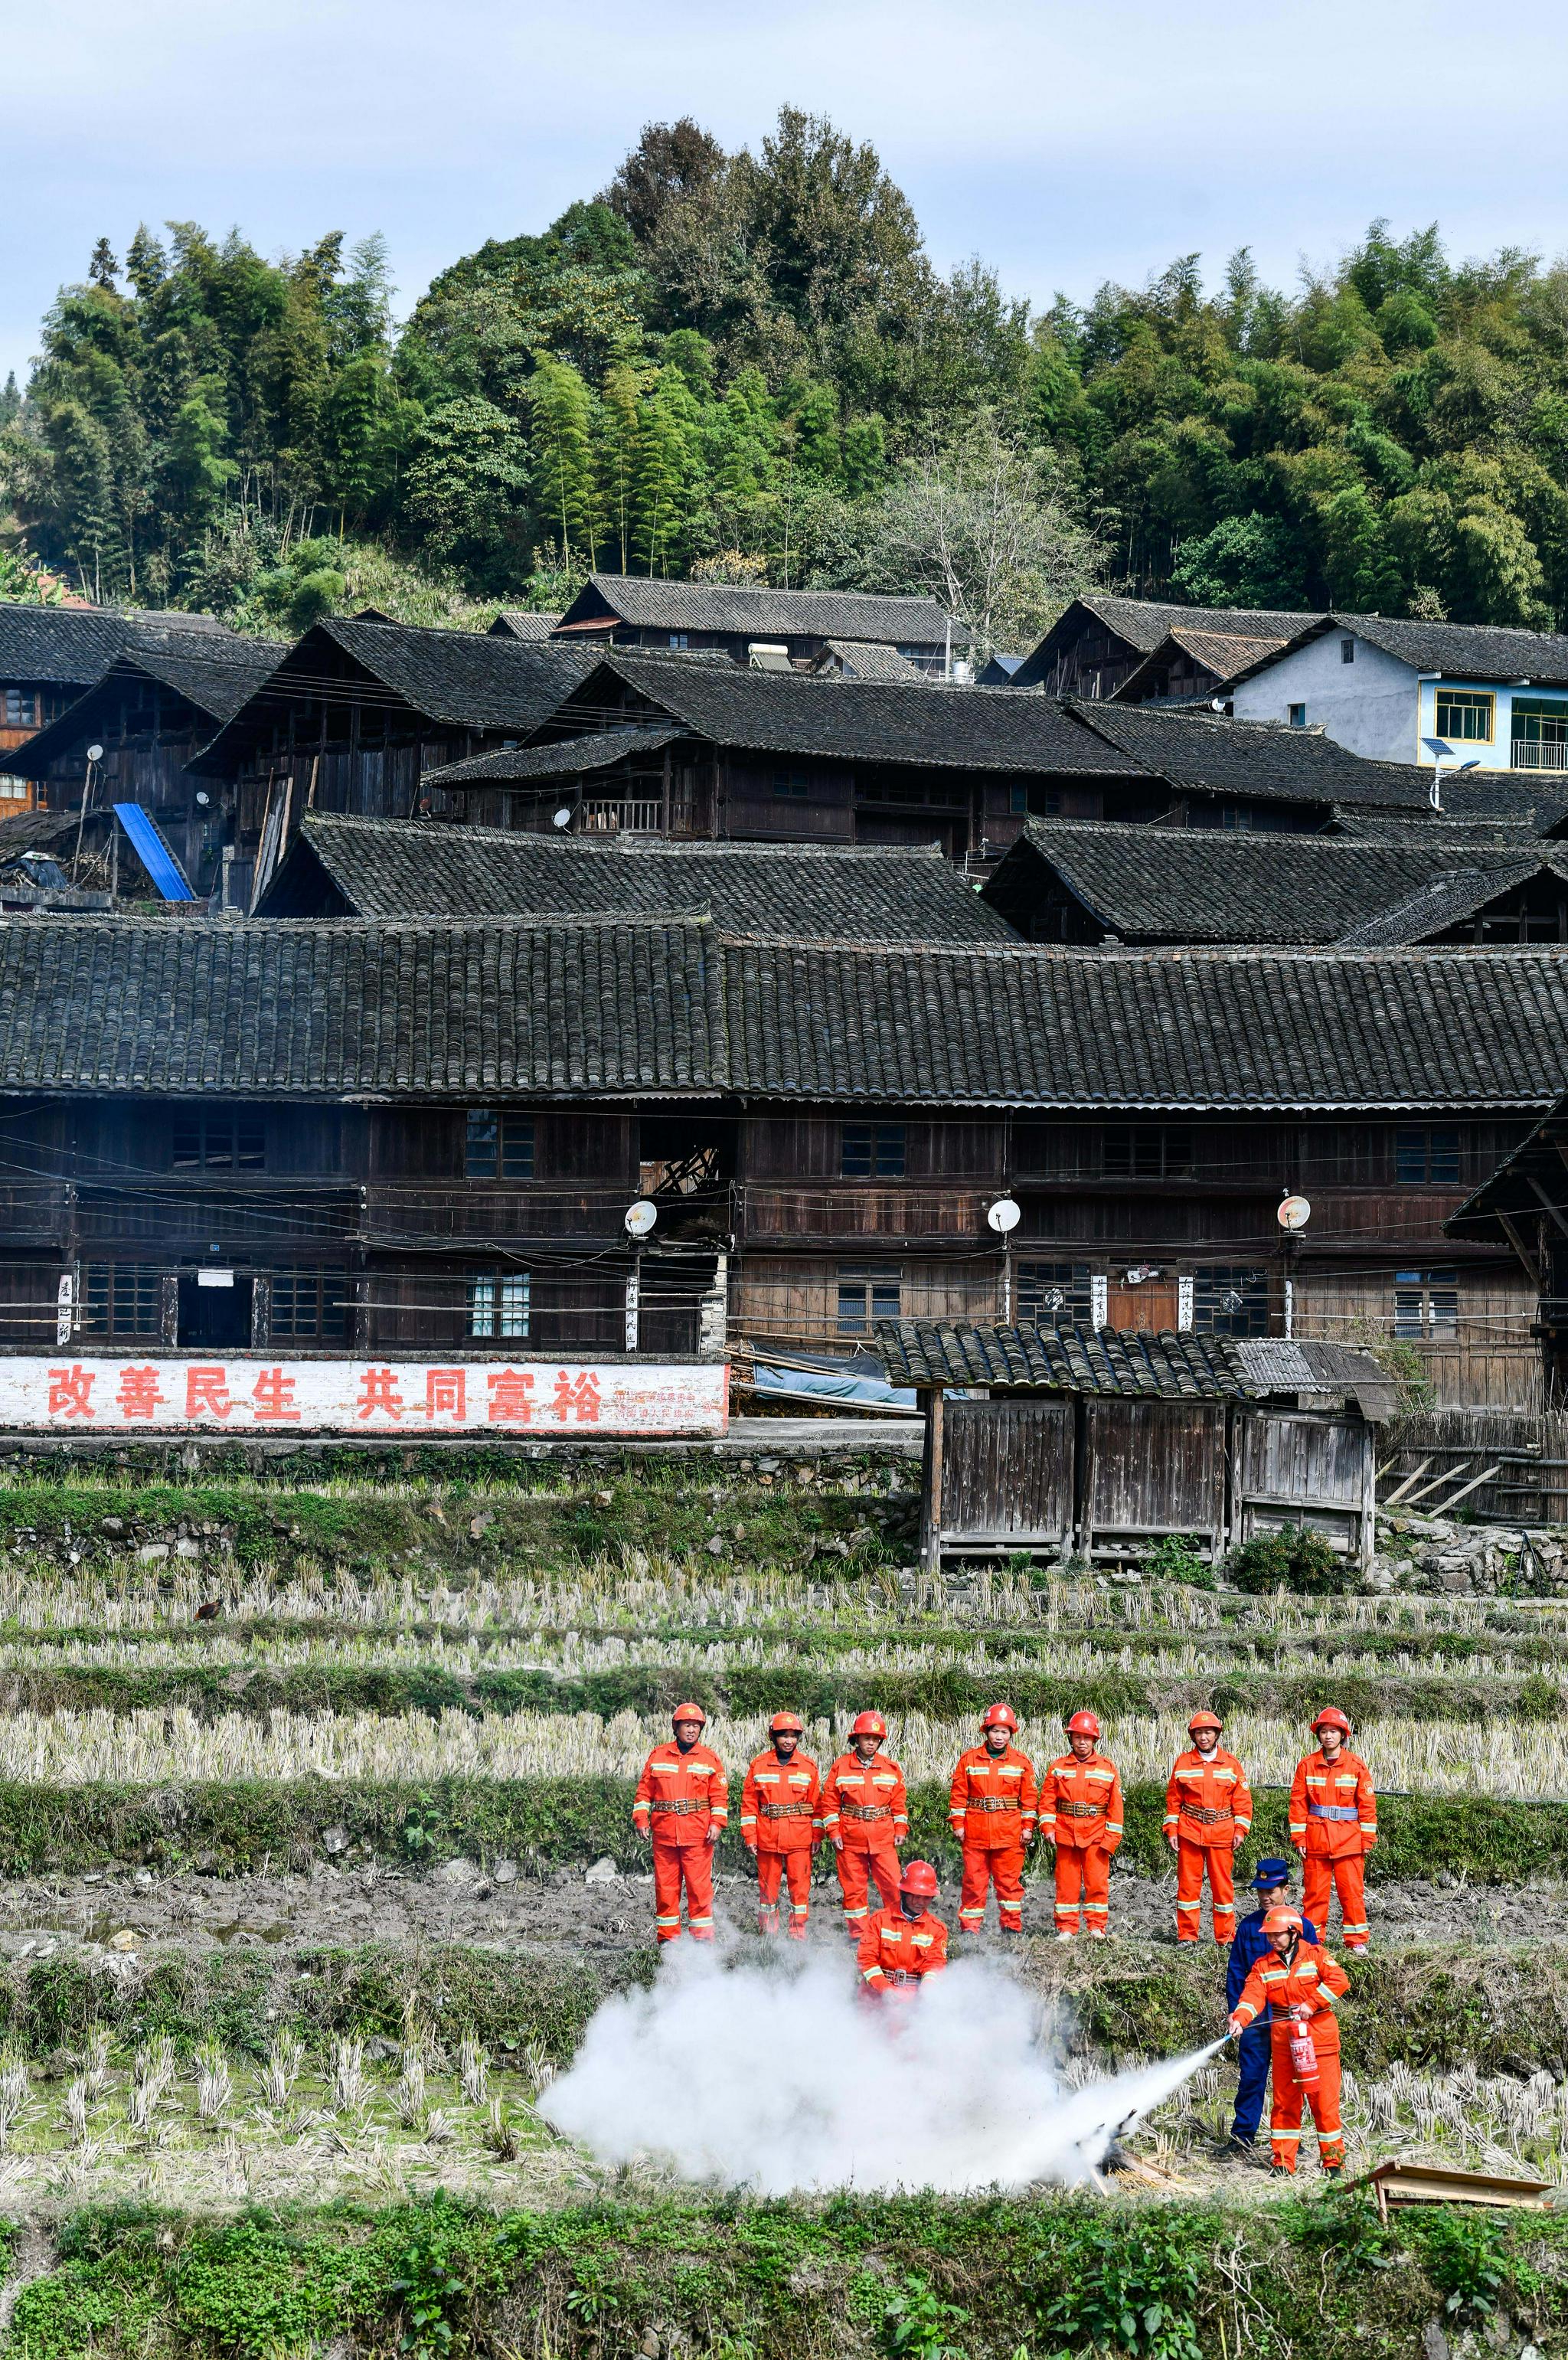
779	1824
895	1954
683	1795
1081	1814
1206	1802
1334	1825
864	1804
1311	1980
993	1806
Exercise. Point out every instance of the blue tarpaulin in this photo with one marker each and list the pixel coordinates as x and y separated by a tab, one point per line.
845	1384
153	853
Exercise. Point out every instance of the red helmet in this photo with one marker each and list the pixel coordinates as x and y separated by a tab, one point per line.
1331	1717
1082	1724
998	1716
688	1712
782	1722
918	1876
1283	1922
1204	1720
868	1724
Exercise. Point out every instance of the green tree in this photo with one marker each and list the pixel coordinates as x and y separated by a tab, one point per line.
565	485
467	488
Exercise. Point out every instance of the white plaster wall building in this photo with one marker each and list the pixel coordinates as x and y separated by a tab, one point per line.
1412	692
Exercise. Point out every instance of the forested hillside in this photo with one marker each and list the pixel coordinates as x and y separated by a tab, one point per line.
746	365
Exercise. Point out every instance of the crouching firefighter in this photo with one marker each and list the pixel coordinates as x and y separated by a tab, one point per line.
1271	1883
682	1802
1295	1985
899	1948
779	1824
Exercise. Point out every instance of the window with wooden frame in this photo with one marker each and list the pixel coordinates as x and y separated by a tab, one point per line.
120	1298
212	1140
1228	1301
1146	1150
1053	1294
310	1306
792	786
1422	1155
871	1151
500	1302
1468	715
21	708
867	1291
498	1145
1426	1305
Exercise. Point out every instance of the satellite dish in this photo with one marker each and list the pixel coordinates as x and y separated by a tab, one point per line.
95	753
1294	1213
202	797
562	818
1004	1216
640	1218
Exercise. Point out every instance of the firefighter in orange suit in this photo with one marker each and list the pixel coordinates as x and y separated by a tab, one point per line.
994	1806
899	1948
779	1808
1333	1826
1081	1814
865	1817
682	1800
1208	1810
1297	1984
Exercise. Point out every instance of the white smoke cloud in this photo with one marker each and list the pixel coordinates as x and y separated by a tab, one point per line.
780	2078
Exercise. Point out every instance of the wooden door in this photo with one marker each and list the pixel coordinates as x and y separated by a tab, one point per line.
1153	1467
1304	1468
1148	1309
1007	1471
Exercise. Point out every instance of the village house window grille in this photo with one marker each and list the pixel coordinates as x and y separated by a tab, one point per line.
1146	1150
867	1291
207	1142
1055	1295
1040	803
1466	713
1426	1305
872	1151
679	640
120	1298
1422	1155
1296	715
21	708
309	1305
498	1146
1540	734
1348	651
1227	1301
792	786
500	1302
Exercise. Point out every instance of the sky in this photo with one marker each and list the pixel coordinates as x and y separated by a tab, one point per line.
1064	143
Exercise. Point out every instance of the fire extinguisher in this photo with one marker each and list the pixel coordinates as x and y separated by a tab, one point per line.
1303	2050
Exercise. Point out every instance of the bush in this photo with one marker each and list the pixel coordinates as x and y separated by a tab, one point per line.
1175	1559
1295	1558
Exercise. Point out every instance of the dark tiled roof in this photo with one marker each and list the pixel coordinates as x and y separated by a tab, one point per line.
215	672
1460	650
1203	752
569	1007
530	1007
73	646
564	759
867	660
1451	897
1219	651
762	614
1208	885
1168	1367
869	721
1143	623
464	679
518	623
412	867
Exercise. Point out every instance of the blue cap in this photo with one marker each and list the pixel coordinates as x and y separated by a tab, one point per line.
1269	1872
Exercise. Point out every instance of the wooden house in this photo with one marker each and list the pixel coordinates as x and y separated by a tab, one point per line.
1101	644
163	695
768	630
1109	1444
693	747
48	655
395	1128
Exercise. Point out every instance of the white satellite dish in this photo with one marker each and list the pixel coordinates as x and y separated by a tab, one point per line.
1294	1213
95	753
640	1218
1004	1216
562	818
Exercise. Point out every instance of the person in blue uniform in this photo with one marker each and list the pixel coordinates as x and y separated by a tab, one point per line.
1271	1883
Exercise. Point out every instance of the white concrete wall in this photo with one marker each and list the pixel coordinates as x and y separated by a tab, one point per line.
1368	706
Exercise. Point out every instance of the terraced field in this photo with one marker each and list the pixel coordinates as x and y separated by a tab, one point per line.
314	1828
